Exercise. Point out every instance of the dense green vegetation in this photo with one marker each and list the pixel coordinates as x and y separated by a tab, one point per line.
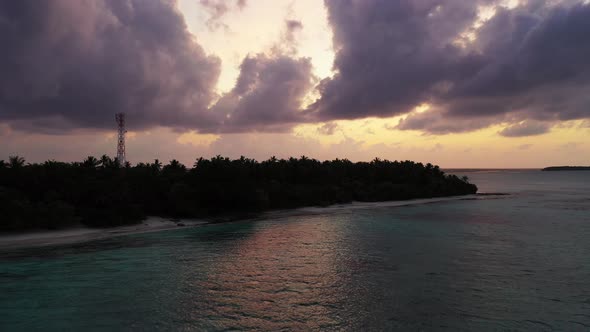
100	193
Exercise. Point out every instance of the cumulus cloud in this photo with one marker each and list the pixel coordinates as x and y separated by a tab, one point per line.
529	62
390	55
328	128
217	9
525	128
73	64
292	27
436	122
288	43
269	91
267	96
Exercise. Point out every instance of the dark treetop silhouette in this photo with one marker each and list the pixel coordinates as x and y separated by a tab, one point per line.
100	193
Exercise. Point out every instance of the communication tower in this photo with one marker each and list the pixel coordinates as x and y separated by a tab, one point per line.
120	118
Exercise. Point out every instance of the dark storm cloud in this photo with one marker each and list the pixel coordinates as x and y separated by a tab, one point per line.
536	64
70	64
530	62
390	55
74	64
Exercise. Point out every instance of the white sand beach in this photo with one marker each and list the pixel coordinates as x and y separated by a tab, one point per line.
83	234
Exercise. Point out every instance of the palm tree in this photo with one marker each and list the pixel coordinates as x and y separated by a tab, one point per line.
91	162
51	163
105	161
175	165
116	163
142	165
16	161
157	165
199	161
174	170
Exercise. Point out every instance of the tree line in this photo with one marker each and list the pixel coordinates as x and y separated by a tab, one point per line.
102	193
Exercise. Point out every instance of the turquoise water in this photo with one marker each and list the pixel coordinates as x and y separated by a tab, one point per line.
518	262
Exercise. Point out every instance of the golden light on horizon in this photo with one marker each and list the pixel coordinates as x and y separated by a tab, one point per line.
196	139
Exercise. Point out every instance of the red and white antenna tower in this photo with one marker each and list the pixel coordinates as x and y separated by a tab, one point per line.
120	118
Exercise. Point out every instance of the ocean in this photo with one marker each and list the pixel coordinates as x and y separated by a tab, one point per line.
485	263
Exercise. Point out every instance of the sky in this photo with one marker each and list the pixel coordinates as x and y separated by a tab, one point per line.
461	84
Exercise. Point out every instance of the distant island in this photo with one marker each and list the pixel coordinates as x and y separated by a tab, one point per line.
102	193
567	168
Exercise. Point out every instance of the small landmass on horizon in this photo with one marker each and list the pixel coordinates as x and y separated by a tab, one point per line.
567	168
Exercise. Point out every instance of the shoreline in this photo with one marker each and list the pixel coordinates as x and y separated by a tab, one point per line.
47	238
81	234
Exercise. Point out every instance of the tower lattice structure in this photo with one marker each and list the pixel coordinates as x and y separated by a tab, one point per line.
120	118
